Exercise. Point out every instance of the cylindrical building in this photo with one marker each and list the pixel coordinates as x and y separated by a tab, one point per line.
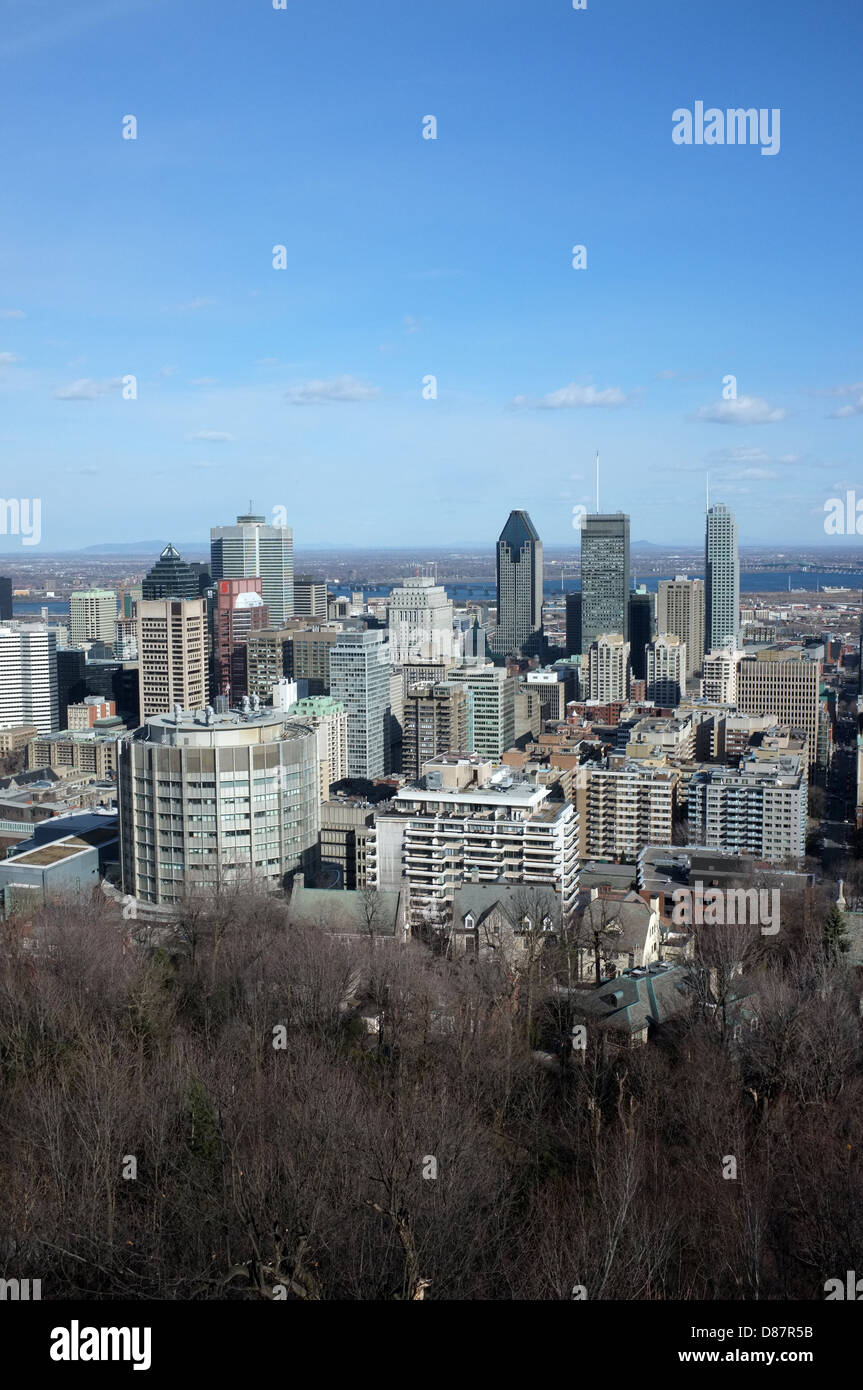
210	799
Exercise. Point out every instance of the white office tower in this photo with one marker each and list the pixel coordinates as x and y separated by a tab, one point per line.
722	571
608	668
28	677
210	800
254	548
493	694
92	616
360	679
420	621
666	670
719	676
680	610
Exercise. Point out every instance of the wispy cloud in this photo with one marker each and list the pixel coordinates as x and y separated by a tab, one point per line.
204	381
87	390
745	410
211	437
574	397
192	305
340	389
8	359
12	314
846	411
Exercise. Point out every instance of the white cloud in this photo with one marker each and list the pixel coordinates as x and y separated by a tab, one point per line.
745	410
342	388
87	390
194	304
211	437
574	397
12	314
411	325
845	412
167	371
8	359
204	381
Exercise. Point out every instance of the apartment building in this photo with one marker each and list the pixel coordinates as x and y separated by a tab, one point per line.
438	718
666	670
629	806
608	668
493	693
757	809
465	822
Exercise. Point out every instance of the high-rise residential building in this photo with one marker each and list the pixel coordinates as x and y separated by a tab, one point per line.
438	718
608	668
519	588
172	654
216	799
329	719
420	621
170	577
92	615
604	576
28	677
464	822
493	693
268	660
666	670
784	683
642	629
680	610
628	807
5	599
360	679
722	586
238	611
719	676
250	548
758	808
310	596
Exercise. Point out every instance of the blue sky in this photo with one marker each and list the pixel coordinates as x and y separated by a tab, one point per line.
407	257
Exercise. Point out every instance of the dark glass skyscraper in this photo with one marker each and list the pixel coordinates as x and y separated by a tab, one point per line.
604	576
641	630
5	599
170	577
519	588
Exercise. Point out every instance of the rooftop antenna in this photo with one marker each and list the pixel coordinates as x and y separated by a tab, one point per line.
596	461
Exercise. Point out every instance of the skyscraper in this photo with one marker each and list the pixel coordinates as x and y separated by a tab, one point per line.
170	577
722	580
238	611
92	615
360	679
5	599
680	612
172	651
604	576
28	677
666	669
254	548
420	621
642	611
519	588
